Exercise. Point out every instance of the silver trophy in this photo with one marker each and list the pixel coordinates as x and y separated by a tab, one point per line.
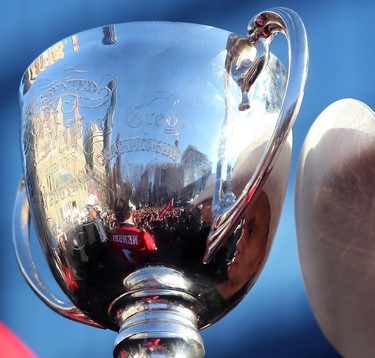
156	159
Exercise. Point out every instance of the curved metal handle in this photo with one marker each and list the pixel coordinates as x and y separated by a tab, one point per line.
21	241
263	27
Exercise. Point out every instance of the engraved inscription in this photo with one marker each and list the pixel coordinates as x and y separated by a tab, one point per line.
65	128
130	145
68	186
160	111
67	106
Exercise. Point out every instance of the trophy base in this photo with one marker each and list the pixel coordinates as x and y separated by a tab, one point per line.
159	332
147	349
157	317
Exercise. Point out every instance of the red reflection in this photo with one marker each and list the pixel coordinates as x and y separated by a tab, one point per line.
134	244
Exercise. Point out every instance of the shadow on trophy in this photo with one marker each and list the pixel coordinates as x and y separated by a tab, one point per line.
156	158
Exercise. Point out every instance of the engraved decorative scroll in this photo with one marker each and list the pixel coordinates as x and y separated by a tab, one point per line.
62	112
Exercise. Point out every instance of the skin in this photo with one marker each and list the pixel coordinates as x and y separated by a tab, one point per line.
250	248
206	215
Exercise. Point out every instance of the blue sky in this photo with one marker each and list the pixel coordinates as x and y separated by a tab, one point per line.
275	319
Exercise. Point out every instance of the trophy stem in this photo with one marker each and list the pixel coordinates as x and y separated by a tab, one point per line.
159	329
158	318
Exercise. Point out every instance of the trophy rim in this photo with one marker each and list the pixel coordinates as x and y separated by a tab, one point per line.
141	23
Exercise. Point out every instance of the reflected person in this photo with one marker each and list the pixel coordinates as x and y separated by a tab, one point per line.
133	244
247	249
249	245
250	249
204	201
249	253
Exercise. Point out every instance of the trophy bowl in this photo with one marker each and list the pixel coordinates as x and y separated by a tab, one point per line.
156	158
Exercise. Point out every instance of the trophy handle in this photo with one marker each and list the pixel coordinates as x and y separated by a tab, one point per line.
264	26
21	241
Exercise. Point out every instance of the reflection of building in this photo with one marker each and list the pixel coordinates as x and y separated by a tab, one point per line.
46	59
195	165
63	175
156	184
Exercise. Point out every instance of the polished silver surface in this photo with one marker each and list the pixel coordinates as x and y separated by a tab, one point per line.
156	159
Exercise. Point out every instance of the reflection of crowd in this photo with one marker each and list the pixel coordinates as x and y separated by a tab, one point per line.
173	225
175	234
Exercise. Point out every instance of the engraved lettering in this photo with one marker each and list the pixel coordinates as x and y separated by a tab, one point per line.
69	187
140	145
152	113
132	145
66	97
59	190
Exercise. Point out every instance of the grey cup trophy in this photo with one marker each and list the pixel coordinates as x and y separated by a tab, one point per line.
156	158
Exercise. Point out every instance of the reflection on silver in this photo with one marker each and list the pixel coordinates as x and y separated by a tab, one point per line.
335	217
120	133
